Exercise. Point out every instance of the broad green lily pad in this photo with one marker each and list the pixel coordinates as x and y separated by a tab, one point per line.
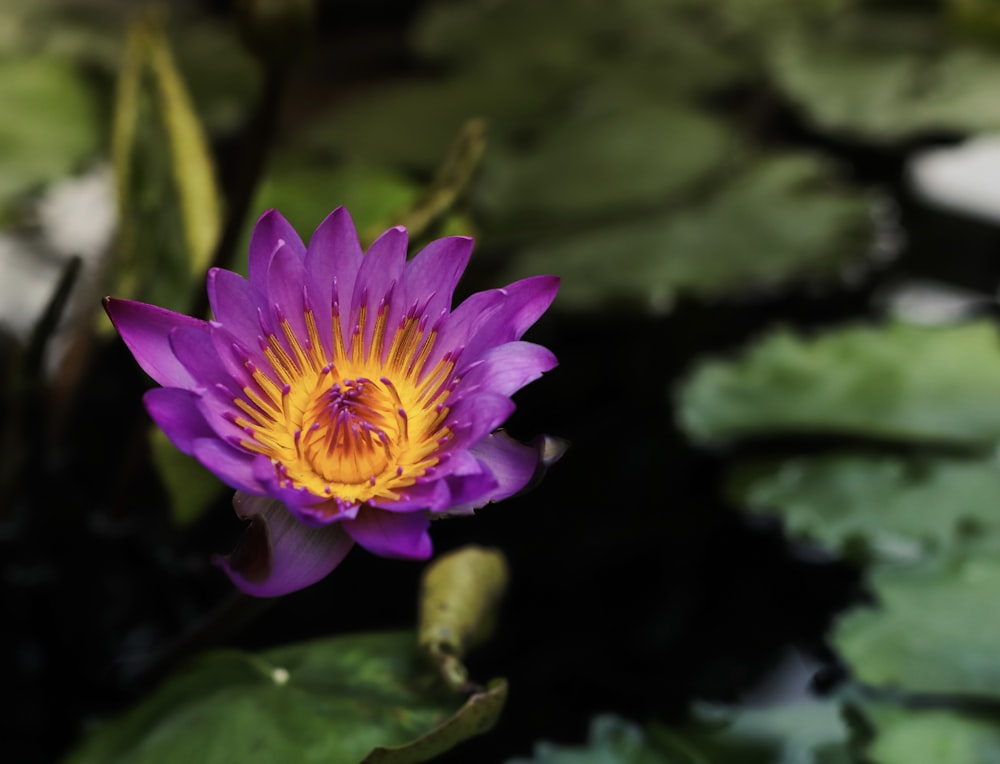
334	700
895	381
911	736
781	219
885	77
935	628
877	506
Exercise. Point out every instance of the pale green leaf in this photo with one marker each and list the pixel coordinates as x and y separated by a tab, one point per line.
611	741
877	506
911	736
623	152
781	219
934	628
808	732
895	381
885	77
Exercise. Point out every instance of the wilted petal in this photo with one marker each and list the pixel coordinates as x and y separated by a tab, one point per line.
278	554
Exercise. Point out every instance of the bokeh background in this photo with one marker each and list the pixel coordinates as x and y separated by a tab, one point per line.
776	227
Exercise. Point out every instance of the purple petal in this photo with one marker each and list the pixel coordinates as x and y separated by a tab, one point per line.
231	465
195	349
491	318
234	305
279	555
475	416
176	412
524	303
286	280
511	464
391	534
381	269
434	273
332	261
507	368
146	330
270	231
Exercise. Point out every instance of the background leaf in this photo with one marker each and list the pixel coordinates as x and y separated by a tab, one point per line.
910	736
876	506
892	381
887	76
934	628
781	219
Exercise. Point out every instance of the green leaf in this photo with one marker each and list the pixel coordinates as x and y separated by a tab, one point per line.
672	45
334	700
935	628
908	736
788	212
893	381
50	124
809	732
804	733
192	165
611	741
168	200
620	152
877	506
886	77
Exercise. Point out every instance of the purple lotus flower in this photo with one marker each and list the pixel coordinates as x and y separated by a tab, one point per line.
340	394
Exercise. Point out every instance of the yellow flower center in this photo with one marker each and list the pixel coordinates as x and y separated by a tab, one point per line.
357	427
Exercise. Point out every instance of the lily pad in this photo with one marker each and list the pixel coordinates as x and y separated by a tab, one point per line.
877	506
935	628
909	736
805	733
611	741
893	381
809	732
781	219
888	76
619	153
672	43
334	700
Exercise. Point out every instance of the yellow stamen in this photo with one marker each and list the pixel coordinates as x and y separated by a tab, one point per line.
348	426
